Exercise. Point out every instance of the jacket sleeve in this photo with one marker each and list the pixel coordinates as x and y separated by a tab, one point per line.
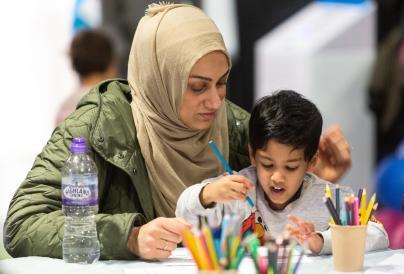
237	122
34	224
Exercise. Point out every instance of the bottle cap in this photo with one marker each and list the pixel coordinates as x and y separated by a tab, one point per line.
79	145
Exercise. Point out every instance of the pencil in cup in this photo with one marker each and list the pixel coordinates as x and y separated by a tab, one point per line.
356	211
275	256
328	194
227	167
201	245
331	209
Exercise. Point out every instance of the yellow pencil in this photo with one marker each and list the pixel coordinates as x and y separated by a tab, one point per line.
328	194
328	191
234	246
369	209
362	210
209	243
189	241
205	261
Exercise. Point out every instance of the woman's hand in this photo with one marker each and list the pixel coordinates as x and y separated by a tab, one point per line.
333	155
158	238
304	232
226	189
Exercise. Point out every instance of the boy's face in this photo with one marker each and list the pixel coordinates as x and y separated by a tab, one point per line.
280	172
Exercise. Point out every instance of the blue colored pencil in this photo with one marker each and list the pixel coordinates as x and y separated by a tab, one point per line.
227	167
298	261
337	200
220	157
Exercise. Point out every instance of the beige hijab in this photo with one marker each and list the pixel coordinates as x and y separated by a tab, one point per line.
168	41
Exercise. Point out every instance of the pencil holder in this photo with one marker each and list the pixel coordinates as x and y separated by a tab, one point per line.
348	247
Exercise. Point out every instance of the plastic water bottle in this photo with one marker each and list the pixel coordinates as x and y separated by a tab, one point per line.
79	205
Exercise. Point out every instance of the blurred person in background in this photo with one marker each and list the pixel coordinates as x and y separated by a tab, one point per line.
93	59
390	190
386	90
386	100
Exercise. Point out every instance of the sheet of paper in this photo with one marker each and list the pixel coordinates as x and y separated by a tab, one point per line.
179	257
181	262
393	264
163	269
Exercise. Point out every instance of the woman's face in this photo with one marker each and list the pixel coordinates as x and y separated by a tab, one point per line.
205	91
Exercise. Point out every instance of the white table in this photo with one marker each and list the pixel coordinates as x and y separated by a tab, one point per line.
179	264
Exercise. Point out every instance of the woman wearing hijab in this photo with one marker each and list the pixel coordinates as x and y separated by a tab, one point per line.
149	138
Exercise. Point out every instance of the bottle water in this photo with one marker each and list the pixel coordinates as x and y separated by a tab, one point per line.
79	205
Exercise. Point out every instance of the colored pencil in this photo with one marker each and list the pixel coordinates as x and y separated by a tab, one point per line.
374	208
227	167
337	202
210	245
363	207
332	211
355	211
189	241
369	209
328	194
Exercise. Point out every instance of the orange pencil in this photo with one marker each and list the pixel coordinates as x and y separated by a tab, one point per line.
205	261
189	241
209	243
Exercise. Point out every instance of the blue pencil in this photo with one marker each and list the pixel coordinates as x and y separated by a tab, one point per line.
227	167
220	157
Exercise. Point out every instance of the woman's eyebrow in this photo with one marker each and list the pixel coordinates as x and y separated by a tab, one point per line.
201	77
207	78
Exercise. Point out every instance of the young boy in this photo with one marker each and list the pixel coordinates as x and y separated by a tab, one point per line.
284	131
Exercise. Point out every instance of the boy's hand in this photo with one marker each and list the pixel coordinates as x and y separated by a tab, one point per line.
226	189
304	233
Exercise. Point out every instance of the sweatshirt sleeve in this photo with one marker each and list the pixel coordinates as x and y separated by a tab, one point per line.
189	205
376	239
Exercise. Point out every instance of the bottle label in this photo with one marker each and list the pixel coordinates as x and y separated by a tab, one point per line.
79	191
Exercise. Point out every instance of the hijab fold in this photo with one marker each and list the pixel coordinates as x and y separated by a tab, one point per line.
169	40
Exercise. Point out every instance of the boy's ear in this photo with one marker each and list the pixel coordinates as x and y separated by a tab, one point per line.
251	154
313	161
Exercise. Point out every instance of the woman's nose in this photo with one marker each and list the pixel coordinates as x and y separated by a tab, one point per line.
214	100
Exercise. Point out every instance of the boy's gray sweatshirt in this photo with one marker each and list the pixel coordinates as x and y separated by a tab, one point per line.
309	206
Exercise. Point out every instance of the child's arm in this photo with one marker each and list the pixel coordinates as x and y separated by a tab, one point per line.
320	242
202	199
305	234
226	189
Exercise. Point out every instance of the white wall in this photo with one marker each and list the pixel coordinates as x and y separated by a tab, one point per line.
35	77
326	52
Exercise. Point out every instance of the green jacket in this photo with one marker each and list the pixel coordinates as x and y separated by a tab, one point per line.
34	224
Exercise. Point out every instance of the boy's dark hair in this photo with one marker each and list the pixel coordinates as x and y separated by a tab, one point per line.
91	51
288	118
